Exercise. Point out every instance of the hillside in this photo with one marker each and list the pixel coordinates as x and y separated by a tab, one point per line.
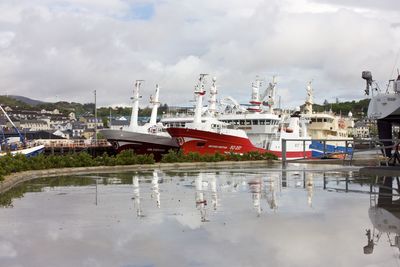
67	107
358	108
8	101
26	100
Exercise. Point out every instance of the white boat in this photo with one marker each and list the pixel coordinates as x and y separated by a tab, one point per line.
265	128
327	125
18	147
150	138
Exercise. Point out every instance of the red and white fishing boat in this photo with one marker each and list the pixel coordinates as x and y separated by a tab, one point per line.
150	138
208	135
264	127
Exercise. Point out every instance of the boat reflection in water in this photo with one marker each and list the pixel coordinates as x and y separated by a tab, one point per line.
155	189
136	196
255	187
384	213
309	184
201	202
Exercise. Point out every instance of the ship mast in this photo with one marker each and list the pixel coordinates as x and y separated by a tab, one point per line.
199	93
270	92
309	99
213	97
156	104
255	96
135	105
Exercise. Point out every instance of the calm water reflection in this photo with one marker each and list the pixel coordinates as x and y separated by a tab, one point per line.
220	217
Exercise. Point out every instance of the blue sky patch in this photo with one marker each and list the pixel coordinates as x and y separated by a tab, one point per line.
140	12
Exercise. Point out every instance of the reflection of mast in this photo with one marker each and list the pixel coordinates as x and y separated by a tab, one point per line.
200	201
284	178
309	182
255	189
271	197
136	195
155	189
214	197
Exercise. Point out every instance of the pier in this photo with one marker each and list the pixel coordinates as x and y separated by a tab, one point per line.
62	146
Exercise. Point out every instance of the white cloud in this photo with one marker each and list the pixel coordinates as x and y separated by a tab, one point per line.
52	50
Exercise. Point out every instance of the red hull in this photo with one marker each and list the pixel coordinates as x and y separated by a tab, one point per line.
204	142
292	154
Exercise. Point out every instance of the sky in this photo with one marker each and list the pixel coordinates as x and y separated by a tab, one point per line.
54	50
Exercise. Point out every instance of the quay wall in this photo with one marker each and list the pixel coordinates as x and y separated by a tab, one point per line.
19	177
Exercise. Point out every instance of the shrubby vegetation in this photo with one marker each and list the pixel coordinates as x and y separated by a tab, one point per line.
177	156
11	164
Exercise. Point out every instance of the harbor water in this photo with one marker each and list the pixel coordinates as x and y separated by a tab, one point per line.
304	215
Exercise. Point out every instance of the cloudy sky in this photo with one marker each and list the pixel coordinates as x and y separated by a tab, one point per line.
64	49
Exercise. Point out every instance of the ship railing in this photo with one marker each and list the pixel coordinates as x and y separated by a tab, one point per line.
375	150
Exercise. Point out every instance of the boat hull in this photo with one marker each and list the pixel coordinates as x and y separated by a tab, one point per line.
292	154
28	152
140	143
385	106
205	142
317	149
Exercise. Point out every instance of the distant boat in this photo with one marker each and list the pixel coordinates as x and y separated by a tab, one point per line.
150	138
20	146
327	126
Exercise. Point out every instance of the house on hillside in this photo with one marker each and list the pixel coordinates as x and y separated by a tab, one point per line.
88	133
119	124
92	122
34	125
361	130
64	134
77	129
63	126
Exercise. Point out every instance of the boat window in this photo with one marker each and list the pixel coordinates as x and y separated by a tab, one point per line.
267	122
313	120
325	120
236	122
262	122
255	122
248	122
241	122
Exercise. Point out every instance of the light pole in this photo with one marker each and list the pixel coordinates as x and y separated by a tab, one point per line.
95	117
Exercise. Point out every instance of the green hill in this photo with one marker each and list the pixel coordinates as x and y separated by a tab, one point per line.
358	108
